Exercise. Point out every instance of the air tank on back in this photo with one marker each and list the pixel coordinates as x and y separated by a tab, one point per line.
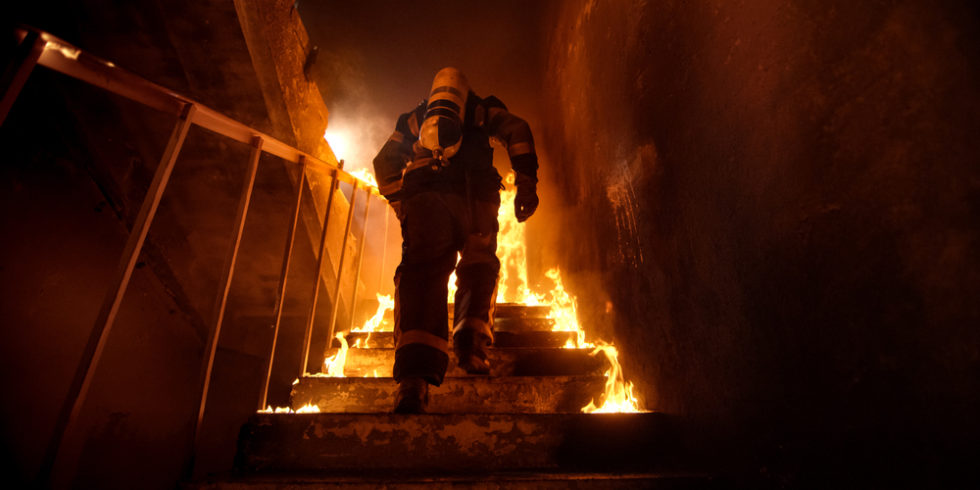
442	129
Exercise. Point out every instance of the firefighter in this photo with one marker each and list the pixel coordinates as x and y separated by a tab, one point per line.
436	170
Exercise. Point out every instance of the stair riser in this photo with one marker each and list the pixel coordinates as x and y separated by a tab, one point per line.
503	362
454	442
563	394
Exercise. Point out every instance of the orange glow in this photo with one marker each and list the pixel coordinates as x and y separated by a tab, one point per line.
66	51
339	141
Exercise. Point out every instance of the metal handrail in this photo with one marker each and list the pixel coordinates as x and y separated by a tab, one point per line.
38	47
63	57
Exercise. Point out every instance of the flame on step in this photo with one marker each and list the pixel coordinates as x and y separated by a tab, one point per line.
334	365
385	303
564	311
308	408
375	323
618	395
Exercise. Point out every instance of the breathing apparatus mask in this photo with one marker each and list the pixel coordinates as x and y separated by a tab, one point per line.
441	131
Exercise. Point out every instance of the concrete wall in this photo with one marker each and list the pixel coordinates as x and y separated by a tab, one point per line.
779	201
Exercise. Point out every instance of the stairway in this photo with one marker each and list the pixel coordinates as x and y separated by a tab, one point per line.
519	427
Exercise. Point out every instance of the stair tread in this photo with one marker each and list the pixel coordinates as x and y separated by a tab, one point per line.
476	394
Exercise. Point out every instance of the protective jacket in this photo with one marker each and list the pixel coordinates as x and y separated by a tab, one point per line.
403	167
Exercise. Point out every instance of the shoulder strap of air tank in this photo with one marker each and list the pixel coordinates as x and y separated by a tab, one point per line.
493	101
416	116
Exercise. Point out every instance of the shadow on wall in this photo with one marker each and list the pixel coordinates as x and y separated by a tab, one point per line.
781	203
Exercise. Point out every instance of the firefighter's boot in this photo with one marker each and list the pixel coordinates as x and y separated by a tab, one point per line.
412	395
471	343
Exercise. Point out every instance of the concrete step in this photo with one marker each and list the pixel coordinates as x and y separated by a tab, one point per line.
503	362
472	394
362	443
479	481
519	339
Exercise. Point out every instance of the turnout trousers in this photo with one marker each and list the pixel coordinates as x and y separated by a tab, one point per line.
435	227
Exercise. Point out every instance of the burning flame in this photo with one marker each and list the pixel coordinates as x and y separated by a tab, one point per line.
334	365
308	408
452	281
385	303
511	250
513	288
618	396
365	176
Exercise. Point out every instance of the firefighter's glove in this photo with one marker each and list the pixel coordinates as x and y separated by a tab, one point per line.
526	200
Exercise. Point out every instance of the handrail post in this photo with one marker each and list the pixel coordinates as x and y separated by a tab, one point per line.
360	257
340	264
281	296
308	335
19	69
222	299
78	390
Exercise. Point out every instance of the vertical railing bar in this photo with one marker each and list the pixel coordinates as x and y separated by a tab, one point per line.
280	298
16	73
78	390
384	249
222	299
340	264
360	256
308	336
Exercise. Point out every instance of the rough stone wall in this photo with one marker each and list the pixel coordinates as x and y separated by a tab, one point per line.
280	49
780	200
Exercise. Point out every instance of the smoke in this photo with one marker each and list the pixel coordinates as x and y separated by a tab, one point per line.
357	126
